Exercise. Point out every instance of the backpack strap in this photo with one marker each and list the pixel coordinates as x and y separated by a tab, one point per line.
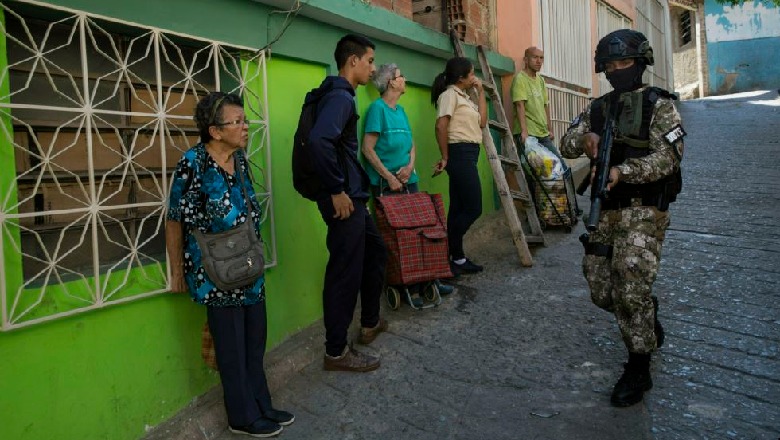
341	151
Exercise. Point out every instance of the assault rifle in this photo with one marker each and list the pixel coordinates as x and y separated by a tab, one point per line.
598	192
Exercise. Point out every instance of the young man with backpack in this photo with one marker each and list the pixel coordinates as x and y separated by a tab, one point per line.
326	170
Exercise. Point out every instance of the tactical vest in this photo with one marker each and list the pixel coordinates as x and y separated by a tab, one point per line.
632	140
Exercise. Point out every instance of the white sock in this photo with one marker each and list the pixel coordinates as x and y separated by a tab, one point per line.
460	261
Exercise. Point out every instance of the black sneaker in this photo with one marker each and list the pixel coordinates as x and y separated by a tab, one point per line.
467	266
631	387
281	417
260	428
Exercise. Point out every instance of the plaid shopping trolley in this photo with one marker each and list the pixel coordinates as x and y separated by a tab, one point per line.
414	228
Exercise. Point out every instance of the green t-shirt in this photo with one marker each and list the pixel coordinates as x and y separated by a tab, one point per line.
534	92
394	145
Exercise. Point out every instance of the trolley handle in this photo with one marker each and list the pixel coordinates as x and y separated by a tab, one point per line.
404	188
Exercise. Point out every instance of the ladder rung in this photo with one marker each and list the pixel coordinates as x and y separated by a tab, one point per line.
534	238
508	161
489	87
517	195
498	126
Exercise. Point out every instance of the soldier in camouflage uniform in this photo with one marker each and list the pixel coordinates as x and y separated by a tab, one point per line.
622	255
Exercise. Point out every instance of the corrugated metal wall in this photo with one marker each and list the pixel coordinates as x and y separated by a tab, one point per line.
567	51
566	41
608	20
653	21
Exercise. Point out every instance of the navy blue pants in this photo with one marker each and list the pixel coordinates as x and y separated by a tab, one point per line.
356	264
239	342
465	194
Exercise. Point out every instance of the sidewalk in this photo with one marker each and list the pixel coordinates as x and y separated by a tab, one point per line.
515	353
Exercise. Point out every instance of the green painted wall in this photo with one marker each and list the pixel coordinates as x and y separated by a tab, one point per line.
104	374
107	374
300	231
295	285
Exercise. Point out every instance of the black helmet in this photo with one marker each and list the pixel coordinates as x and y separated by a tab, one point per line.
623	44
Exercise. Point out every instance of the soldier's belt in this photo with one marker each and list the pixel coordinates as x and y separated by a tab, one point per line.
613	203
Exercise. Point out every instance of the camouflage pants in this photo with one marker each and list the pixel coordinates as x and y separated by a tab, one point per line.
623	283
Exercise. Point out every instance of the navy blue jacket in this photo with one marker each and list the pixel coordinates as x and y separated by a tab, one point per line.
337	124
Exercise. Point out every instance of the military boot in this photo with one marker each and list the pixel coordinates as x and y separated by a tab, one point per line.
659	329
635	380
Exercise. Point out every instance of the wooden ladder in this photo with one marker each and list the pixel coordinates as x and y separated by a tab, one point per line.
507	171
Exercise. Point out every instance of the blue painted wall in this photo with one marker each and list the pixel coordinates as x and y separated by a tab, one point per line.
743	46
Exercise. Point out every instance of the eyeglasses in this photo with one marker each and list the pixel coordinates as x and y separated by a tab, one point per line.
232	123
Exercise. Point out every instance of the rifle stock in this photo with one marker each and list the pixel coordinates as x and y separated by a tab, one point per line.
598	192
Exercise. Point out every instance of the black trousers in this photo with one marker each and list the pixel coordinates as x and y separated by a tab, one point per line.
356	264
239	342
465	194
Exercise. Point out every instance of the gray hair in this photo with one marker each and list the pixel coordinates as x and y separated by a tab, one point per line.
383	75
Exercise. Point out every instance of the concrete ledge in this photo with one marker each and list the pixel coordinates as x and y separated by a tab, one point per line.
204	418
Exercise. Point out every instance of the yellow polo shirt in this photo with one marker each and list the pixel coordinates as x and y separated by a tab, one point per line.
463	113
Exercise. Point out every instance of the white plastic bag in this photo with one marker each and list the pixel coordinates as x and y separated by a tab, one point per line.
543	161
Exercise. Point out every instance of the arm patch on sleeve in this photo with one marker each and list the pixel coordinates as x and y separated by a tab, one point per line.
675	134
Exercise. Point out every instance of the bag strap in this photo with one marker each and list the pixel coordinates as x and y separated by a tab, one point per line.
239	175
241	182
404	188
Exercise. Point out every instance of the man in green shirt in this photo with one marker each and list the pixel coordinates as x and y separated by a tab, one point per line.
532	112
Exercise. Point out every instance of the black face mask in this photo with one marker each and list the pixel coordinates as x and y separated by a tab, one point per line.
626	80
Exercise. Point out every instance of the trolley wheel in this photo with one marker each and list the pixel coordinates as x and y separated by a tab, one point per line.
431	292
393	297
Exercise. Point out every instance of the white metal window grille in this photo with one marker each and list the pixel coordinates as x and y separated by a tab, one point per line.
565	26
608	20
653	21
94	114
565	105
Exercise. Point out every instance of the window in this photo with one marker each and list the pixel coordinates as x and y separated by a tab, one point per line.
567	54
94	115
685	27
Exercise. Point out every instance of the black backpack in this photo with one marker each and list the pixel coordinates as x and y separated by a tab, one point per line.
305	179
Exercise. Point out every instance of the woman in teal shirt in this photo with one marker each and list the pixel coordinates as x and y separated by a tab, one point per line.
388	145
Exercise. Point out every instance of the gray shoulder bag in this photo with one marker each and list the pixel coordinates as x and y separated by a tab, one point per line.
233	258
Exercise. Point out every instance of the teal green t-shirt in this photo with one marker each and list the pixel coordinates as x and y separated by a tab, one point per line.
394	145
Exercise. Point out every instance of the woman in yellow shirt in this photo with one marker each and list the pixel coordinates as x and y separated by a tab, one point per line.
459	124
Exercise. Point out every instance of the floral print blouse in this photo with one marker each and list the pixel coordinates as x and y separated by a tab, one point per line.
205	196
